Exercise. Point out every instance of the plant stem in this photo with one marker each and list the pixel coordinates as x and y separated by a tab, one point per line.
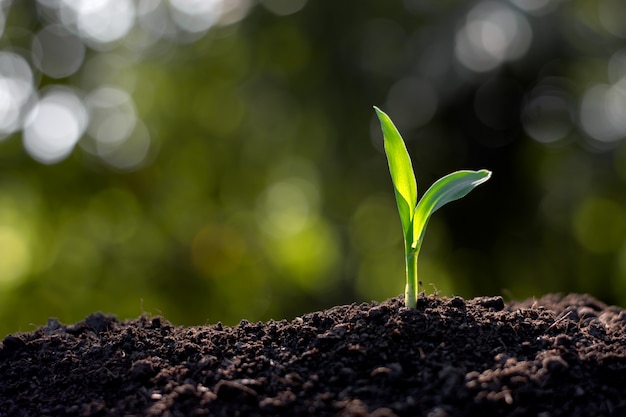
411	290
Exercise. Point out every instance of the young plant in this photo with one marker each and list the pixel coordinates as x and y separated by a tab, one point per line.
415	214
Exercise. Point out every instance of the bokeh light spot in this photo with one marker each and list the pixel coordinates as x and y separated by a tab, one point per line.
16	88
234	10
547	114
603	112
307	257
112	115
56	52
195	15
99	21
547	119
131	153
283	7
116	135
413	103
537	7
616	67
55	125
153	18
600	225
3	19
288	206
493	34
612	14
15	255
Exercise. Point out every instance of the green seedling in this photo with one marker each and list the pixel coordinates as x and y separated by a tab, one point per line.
415	214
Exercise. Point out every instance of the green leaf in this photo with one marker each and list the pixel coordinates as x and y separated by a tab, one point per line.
415	215
402	175
449	188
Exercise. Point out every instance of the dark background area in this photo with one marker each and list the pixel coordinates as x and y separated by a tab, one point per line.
215	161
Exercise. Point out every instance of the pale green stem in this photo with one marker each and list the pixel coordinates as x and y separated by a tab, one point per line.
411	290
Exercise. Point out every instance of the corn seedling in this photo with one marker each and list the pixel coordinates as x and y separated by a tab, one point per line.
414	214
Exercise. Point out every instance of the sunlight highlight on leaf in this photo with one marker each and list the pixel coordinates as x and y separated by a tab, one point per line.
401	171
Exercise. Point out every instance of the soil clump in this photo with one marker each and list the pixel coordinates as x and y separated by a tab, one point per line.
548	357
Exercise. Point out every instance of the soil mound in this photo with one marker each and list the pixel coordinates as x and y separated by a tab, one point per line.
555	356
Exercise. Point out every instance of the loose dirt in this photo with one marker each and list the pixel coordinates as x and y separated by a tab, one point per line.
555	356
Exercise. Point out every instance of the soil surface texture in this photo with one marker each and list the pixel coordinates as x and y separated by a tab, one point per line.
554	356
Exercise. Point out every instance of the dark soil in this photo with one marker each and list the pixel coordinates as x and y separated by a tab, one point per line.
557	356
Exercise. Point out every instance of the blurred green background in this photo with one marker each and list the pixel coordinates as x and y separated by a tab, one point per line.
220	160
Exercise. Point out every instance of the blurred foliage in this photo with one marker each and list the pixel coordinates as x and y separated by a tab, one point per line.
220	160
